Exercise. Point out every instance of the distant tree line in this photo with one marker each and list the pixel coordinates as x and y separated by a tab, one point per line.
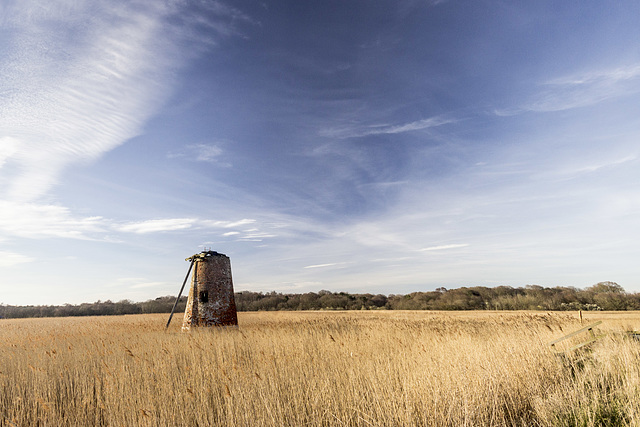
98	308
602	296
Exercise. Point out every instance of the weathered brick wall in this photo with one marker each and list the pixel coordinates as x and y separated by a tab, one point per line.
211	301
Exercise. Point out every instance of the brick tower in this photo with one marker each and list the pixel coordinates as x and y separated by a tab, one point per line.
211	301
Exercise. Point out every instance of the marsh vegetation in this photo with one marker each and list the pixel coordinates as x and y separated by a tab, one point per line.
319	368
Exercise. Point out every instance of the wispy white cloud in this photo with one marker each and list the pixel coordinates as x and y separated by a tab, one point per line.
207	223
213	17
158	225
85	98
73	91
445	247
33	220
255	235
36	221
571	170
210	153
385	184
8	148
332	264
207	153
181	224
580	90
9	259
358	131
608	76
321	265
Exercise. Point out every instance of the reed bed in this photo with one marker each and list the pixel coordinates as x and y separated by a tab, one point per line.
369	368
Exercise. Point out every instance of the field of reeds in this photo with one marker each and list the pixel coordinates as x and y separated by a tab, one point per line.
368	368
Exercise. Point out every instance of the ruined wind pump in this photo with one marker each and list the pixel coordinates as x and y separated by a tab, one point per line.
211	301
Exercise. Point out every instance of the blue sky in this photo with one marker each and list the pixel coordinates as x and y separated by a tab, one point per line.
383	147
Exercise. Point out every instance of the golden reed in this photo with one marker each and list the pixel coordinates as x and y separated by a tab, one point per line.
368	368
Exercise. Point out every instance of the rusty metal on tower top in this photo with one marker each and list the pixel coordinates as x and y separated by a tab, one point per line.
210	301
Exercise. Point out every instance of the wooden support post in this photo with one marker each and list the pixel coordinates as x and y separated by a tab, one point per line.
175	304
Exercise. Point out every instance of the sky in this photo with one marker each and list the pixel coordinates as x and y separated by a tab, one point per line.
360	146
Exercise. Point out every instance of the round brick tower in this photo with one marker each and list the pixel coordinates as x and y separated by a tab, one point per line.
211	301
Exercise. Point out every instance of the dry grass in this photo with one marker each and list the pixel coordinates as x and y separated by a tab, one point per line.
318	368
